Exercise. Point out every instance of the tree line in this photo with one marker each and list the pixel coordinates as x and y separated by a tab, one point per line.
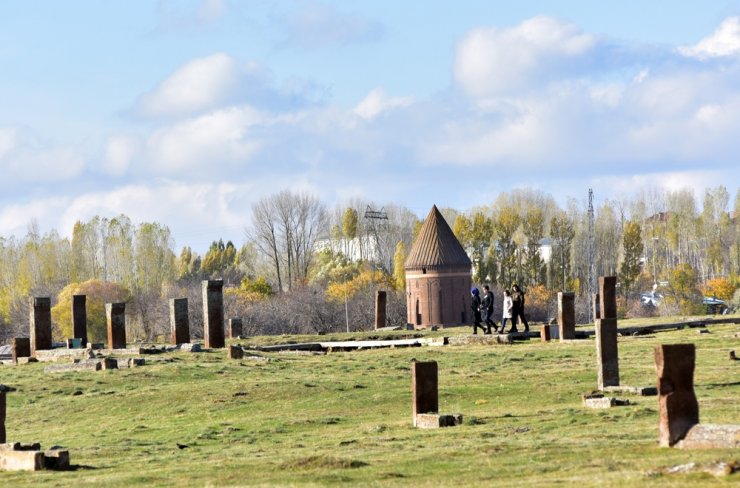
300	262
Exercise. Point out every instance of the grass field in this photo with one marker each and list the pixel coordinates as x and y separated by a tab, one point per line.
345	418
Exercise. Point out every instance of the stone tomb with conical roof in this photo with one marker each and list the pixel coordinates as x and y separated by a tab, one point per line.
438	276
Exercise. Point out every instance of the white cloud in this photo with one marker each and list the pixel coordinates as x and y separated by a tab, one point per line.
318	25
376	102
199	85
25	157
493	62
725	41
120	152
218	138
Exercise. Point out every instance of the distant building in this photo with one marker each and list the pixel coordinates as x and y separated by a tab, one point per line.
438	276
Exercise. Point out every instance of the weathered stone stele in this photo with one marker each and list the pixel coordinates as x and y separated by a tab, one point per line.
213	313
179	321
2	414
21	348
607	353
79	317
545	333
424	380
116	316
679	409
235	328
566	315
608	297
40	319
380	308
235	352
596	306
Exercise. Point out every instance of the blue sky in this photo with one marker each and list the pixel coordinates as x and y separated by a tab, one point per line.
186	112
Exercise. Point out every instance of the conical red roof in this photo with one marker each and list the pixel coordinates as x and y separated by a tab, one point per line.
436	245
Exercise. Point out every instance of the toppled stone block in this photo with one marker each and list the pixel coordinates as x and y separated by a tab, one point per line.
56	458
435	421
18	457
711	436
126	363
29	457
633	390
717	469
63	354
84	365
191	347
600	401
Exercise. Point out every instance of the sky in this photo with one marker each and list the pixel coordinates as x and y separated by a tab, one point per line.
187	112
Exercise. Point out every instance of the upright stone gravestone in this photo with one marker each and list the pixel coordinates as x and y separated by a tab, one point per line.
21	348
40	318
179	321
380	309
2	415
679	409
424	379
595	306
608	297
607	352
235	328
116	315
213	313
566	315
79	318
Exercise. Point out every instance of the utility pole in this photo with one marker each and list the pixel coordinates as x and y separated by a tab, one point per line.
375	217
591	252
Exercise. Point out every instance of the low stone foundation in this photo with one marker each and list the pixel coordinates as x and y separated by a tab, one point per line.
29	457
435	421
598	400
632	390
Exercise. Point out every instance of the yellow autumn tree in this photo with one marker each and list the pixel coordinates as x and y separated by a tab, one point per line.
366	279
98	294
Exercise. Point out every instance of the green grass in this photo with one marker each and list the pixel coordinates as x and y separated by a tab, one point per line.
345	418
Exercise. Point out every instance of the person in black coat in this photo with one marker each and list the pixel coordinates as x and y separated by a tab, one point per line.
487	309
475	307
517	309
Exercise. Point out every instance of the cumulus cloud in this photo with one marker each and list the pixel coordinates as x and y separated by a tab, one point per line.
26	157
320	25
725	41
120	153
221	138
199	85
377	102
495	62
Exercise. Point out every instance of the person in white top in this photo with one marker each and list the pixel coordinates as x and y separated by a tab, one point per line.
507	309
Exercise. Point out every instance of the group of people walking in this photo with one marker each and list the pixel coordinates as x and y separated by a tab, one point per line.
513	309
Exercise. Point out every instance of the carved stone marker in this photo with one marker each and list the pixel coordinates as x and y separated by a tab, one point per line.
380	308
40	319
607	353
79	318
179	321
21	348
213	313
235	328
424	388
545	333
608	297
596	306
116	315
2	415
235	352
679	410
566	315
